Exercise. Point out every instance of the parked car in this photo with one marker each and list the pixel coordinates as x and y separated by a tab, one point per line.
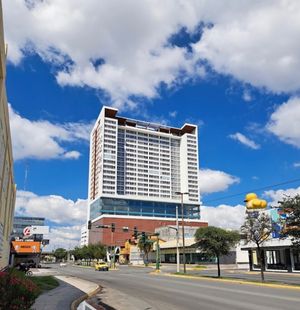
29	264
101	266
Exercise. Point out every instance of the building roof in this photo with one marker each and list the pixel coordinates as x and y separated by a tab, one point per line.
186	128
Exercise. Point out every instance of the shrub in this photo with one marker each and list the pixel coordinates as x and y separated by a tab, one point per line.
17	292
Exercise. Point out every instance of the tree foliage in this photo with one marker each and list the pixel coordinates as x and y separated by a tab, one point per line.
91	251
145	244
257	228
291	226
216	242
60	253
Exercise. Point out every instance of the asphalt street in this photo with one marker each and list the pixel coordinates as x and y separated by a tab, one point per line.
282	277
135	288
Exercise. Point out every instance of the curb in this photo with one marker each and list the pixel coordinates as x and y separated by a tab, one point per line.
273	285
85	296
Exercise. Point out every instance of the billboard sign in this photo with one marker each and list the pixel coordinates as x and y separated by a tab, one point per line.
45	242
39	230
278	218
29	247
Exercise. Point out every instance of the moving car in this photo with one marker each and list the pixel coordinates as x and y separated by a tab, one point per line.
101	266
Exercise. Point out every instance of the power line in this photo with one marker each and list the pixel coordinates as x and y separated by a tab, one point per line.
254	190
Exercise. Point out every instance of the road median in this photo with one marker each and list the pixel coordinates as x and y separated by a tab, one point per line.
230	280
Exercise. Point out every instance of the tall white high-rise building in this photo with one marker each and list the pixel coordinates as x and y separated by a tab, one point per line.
136	168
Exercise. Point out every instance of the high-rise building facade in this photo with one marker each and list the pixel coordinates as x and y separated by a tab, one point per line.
7	185
137	168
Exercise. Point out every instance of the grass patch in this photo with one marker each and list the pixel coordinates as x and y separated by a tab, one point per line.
45	283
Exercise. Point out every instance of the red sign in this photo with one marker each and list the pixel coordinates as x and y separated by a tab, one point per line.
27	231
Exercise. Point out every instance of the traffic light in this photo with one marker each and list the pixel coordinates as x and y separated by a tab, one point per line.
113	227
89	224
135	232
143	236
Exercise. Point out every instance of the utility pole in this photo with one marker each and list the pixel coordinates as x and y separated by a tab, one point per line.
157	253
182	223
177	242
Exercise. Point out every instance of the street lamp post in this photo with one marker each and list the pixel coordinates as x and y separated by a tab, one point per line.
177	241
182	223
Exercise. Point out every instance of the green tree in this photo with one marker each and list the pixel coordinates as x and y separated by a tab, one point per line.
91	251
60	253
145	244
216	242
257	228
291	225
96	251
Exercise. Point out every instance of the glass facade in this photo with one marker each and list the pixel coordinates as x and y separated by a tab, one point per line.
131	207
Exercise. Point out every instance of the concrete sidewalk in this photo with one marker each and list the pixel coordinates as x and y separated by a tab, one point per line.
62	297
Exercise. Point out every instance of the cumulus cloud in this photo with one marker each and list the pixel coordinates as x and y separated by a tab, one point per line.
244	140
279	194
44	140
296	165
243	42
63	237
211	181
54	208
285	122
125	47
224	216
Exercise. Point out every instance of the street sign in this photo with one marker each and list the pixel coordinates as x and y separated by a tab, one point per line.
45	241
27	231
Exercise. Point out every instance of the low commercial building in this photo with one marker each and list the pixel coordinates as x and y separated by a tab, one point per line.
278	255
278	251
7	184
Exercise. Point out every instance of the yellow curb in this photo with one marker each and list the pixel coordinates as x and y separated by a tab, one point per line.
285	286
141	266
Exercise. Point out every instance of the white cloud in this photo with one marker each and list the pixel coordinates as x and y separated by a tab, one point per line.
173	114
211	181
123	47
244	140
43	140
66	237
128	38
65	215
247	96
297	165
254	41
285	122
279	194
224	216
54	208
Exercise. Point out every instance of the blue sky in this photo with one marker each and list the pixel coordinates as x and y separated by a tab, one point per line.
211	64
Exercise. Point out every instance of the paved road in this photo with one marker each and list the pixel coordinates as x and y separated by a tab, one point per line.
282	277
134	288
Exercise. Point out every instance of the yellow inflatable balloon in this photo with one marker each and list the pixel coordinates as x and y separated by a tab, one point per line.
250	196
253	202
